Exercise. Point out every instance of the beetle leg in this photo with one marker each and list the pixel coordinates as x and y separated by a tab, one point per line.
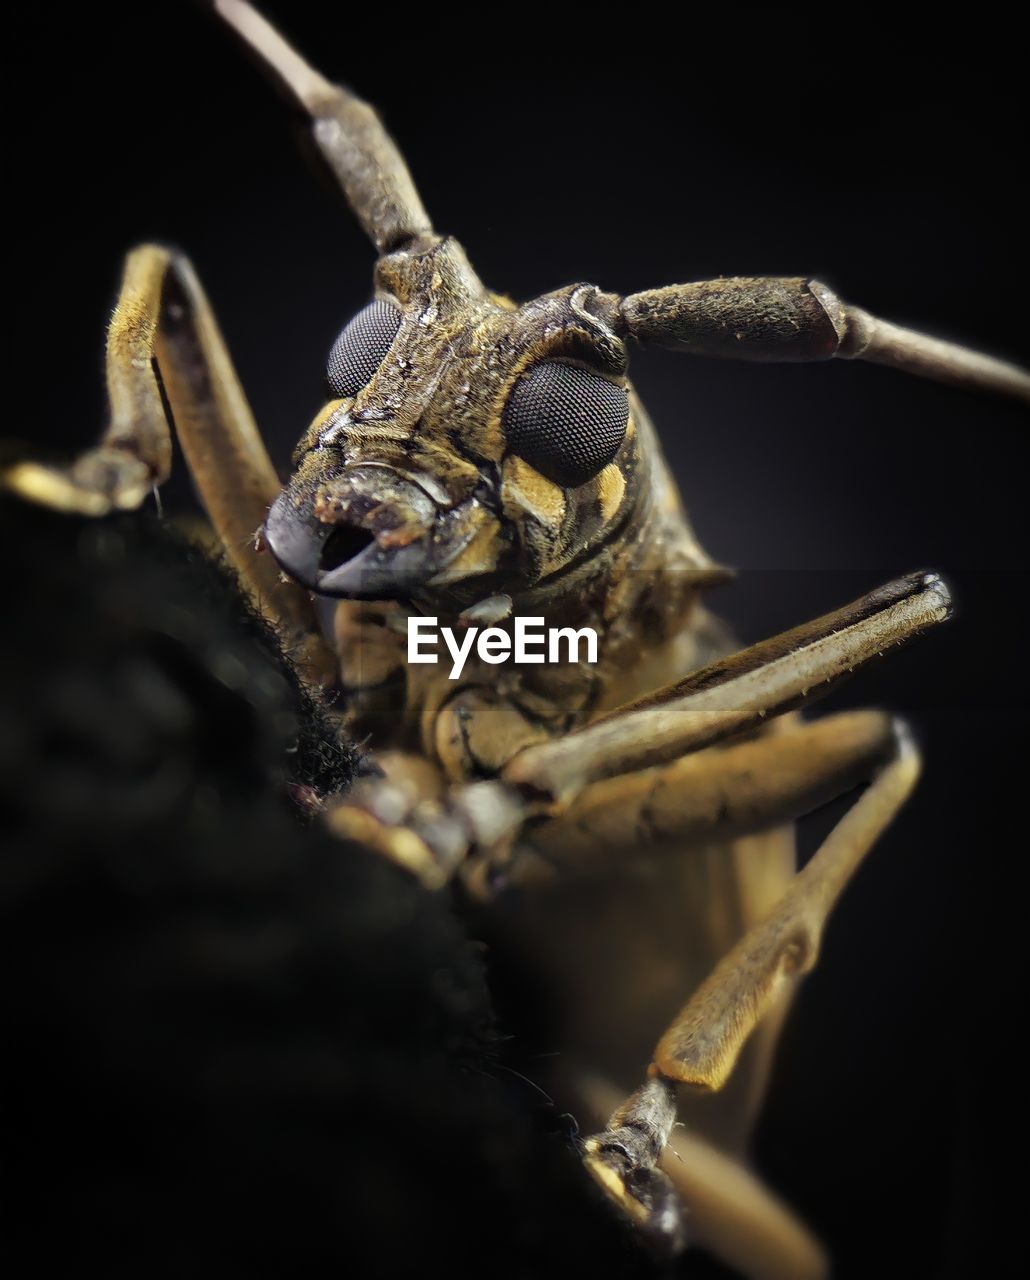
430	832
163	338
732	1213
528	774
795	319
718	794
701	1045
733	695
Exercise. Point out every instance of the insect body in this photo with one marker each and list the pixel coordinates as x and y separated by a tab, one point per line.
479	462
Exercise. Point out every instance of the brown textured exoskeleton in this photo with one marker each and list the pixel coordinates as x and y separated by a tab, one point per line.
482	462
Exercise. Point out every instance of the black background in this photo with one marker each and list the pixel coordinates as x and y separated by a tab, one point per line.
643	156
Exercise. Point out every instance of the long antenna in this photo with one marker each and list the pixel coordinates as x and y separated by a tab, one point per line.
347	131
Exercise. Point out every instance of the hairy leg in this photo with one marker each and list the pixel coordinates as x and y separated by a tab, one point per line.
701	1045
539	779
167	364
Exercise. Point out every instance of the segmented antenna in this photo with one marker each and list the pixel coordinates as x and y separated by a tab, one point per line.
348	132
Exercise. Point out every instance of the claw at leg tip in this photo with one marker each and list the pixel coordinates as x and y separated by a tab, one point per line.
643	1193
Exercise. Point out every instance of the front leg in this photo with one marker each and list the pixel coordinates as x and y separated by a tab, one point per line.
411	817
733	695
506	767
164	347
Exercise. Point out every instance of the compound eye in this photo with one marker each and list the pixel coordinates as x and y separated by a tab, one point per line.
565	421
361	348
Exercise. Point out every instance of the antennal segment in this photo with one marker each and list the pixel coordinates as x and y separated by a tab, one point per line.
348	132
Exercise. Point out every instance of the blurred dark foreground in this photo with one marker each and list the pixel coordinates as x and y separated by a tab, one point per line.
232	1045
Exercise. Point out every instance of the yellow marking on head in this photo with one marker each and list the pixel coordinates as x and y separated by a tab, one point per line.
437	465
524	488
321	423
479	556
331	407
611	486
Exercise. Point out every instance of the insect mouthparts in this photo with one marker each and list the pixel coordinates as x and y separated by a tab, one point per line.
343	544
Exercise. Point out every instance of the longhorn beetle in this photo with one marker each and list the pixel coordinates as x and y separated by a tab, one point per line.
481	461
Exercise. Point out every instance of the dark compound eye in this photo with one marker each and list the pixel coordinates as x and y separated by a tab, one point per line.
361	348
565	421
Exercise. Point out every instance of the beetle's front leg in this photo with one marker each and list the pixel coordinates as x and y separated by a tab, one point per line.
166	357
733	695
411	817
534	771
